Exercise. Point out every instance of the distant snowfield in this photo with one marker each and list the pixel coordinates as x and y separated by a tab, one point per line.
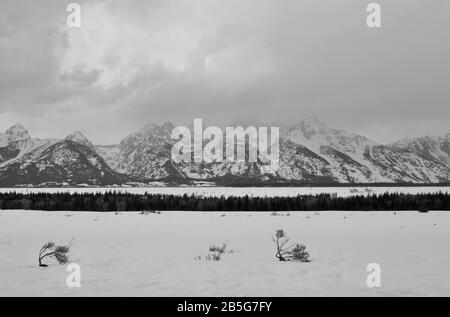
241	191
130	254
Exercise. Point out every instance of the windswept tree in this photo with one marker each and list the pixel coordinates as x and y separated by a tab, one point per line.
285	252
58	252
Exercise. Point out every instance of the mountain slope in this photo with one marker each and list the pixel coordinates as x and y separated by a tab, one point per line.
64	162
146	154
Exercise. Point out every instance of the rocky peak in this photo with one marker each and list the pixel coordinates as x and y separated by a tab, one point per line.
151	128
168	126
79	138
14	134
312	122
150	134
307	130
17	133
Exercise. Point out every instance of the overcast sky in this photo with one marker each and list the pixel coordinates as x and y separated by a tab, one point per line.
148	61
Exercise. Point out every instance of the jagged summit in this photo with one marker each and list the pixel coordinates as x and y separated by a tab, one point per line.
77	134
79	138
17	128
315	134
151	132
312	122
168	125
16	133
150	127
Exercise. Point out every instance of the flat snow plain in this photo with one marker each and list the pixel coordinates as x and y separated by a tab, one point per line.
130	254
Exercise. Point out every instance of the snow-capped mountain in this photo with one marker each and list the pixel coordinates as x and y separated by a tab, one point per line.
433	148
311	149
145	154
15	134
71	161
315	135
12	142
351	158
16	142
310	153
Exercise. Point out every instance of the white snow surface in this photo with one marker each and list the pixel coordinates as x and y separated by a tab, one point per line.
130	254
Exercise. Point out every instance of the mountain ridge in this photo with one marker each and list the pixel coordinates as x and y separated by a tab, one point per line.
310	153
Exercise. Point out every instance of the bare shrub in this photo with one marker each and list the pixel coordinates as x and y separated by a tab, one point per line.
296	252
218	249
215	257
299	253
215	253
58	252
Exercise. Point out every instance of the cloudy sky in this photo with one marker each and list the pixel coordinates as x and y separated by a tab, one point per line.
147	61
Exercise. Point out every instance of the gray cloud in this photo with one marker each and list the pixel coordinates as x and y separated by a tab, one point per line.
134	62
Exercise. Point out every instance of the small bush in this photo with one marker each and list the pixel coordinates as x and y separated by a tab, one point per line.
285	253
215	253
299	253
217	249
215	257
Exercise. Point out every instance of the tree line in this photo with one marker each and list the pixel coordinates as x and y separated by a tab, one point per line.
114	201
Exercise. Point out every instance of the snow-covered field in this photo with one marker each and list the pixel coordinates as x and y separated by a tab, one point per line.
153	255
241	191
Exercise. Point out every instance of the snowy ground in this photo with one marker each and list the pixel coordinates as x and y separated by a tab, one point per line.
153	255
242	191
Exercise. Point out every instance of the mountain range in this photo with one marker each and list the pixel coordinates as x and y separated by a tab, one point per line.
310	153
